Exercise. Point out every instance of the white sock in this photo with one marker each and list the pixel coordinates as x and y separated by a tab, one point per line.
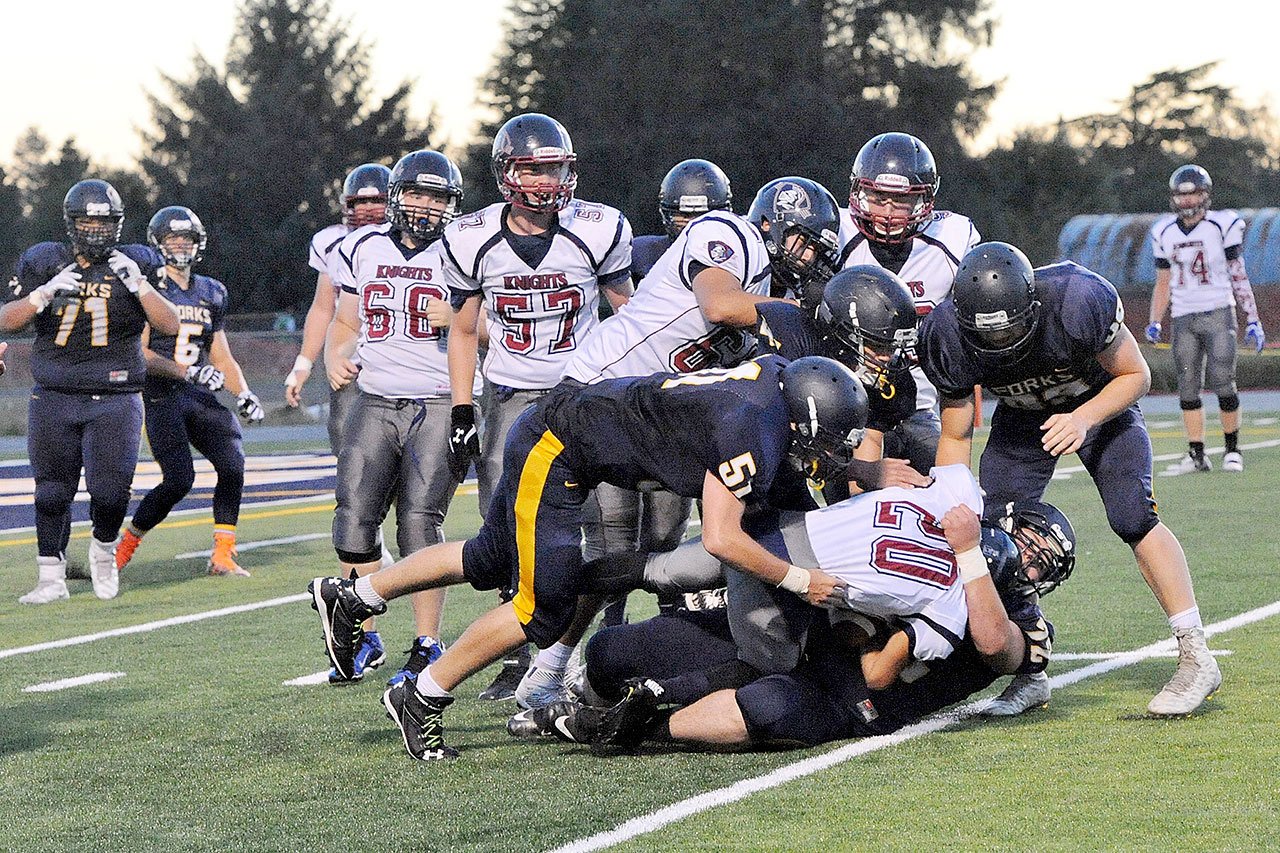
387	559
51	569
1187	620
364	589
427	685
554	657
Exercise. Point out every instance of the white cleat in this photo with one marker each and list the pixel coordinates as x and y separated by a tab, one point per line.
102	568
1195	680
541	687
1190	464
46	592
1232	461
1024	693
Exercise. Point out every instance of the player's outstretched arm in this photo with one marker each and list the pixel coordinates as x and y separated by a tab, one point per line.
722	300
997	639
314	328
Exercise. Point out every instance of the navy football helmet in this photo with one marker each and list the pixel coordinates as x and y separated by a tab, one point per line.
1189	188
1046	544
895	164
365	183
176	219
93	215
690	189
996	305
827	407
800	222
424	170
867	320
535	141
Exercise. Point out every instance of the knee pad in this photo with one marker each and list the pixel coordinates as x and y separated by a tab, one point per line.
371	556
1191	405
1229	402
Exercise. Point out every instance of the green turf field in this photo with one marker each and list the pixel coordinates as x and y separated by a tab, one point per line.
199	745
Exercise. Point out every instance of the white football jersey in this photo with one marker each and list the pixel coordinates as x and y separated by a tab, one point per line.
400	354
887	545
1199	280
537	316
930	269
661	329
323	254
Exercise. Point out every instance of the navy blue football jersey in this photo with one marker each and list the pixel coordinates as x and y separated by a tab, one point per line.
670	429
89	342
1080	315
645	251
202	308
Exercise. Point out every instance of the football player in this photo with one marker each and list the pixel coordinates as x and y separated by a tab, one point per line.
536	265
891	222
184	372
1200	278
392	318
88	299
738	437
1051	346
690	189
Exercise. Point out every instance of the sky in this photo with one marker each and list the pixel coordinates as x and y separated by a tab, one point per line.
89	77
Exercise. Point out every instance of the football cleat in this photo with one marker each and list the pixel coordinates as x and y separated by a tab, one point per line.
420	720
369	655
341	613
1024	693
542	686
1232	461
222	562
626	724
425	651
1191	463
1195	680
504	684
102	569
46	591
129	543
566	721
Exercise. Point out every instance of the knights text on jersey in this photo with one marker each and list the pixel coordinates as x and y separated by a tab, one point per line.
1197	259
91	341
401	355
1080	316
323	253
888	546
662	329
538	310
929	270
202	309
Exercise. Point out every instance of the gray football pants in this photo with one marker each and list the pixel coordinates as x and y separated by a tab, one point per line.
499	408
1204	353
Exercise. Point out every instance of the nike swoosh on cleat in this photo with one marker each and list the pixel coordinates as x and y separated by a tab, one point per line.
561	725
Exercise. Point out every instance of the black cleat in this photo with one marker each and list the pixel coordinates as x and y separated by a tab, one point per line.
629	722
567	721
420	719
508	678
341	614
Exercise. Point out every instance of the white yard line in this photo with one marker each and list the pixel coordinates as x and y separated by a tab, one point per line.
1172	653
321	677
807	767
1065	473
263	543
64	683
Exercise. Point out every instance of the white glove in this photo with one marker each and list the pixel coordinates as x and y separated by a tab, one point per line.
249	408
206	375
66	281
126	269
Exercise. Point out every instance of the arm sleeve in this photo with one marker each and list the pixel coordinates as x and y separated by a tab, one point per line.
315	256
617	260
343	273
460	284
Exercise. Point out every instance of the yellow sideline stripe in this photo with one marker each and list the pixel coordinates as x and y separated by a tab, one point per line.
533	477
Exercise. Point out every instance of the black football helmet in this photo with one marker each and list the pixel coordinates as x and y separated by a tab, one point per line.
1185	181
900	164
425	170
996	305
827	407
1046	543
692	188
798	207
366	182
867	321
533	139
93	215
177	220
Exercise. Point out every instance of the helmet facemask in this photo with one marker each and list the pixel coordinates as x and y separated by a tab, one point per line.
869	198
529	190
421	221
364	208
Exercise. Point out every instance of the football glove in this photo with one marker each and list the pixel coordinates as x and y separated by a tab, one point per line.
206	375
126	269
1253	334
464	441
249	408
66	281
1153	333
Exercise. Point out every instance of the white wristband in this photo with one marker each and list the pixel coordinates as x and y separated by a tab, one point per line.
144	288
302	363
972	565
38	301
797	580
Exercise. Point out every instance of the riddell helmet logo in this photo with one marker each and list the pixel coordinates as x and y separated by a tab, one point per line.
791	198
97	208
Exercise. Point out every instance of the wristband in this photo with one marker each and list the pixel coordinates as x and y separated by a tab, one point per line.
302	363
797	580
145	288
972	565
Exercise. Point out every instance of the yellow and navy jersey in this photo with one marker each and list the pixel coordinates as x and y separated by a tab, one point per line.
202	309
90	341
